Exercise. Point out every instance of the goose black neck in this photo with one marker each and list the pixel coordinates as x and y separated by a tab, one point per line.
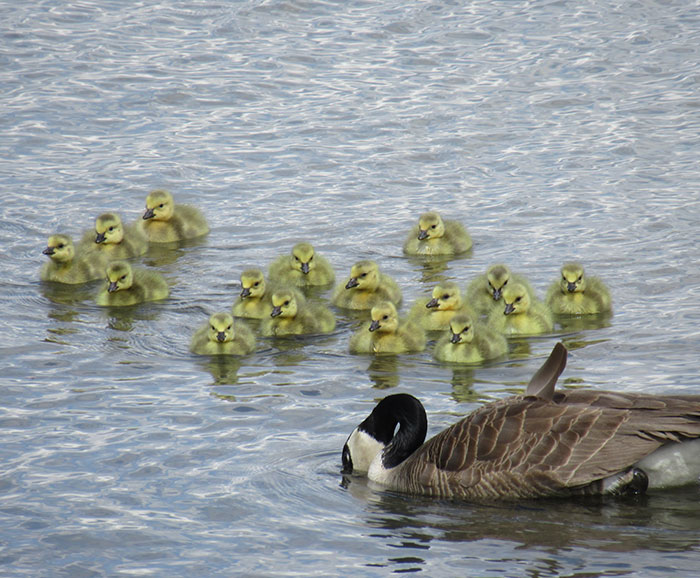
406	411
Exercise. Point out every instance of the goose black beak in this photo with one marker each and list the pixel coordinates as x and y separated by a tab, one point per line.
245	292
99	238
149	214
48	251
432	303
374	326
496	294
422	234
509	309
305	268
221	337
275	311
352	283
112	287
456	338
571	287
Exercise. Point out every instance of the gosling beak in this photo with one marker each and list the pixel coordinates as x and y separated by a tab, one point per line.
509	309
112	287
497	294
245	292
374	325
422	234
432	303
456	338
221	336
276	311
571	287
352	283
48	251
100	238
305	268
149	214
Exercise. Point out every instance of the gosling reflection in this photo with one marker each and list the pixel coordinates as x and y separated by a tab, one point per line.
223	369
383	371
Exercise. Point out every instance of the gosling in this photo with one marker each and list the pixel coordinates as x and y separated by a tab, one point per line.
167	222
222	336
366	287
65	267
255	299
523	314
435	236
292	315
129	286
112	241
468	341
303	268
485	292
577	294
436	312
387	334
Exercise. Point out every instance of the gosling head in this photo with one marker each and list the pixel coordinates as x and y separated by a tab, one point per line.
252	283
498	277
159	205
430	226
446	296
364	275
462	329
109	229
516	298
385	319
572	279
60	249
221	328
119	276
284	304
302	258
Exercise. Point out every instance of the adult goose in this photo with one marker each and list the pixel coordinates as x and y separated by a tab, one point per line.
542	443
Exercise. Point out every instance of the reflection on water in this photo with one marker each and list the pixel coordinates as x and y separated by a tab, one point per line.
223	368
580	323
383	371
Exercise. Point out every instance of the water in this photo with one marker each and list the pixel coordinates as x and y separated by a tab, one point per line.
553	130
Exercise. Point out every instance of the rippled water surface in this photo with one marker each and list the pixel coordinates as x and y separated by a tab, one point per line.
552	130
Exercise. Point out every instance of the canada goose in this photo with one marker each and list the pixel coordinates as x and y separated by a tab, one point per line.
302	268
255	300
222	336
577	294
468	341
485	292
166	222
365	288
128	286
387	334
435	236
434	313
523	313
542	443
67	267
113	240
292	315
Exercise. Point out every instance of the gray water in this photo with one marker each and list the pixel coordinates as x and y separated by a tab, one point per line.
552	130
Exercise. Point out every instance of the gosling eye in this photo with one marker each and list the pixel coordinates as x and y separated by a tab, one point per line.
433	226
504	283
111	229
564	278
228	328
385	317
311	258
213	328
161	205
122	278
297	258
445	296
363	275
518	299
60	246
256	283
286	303
579	278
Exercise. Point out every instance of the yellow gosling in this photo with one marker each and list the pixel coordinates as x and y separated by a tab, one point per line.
366	287
435	236
223	336
65	266
387	334
302	268
523	314
129	286
112	241
468	341
292	315
436	312
167	222
577	294
255	300
485	292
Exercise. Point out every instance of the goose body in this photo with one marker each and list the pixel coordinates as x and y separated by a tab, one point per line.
485	292
112	241
67	266
435	312
366	287
255	299
222	336
543	443
292	315
469	341
164	221
435	236
387	334
522	314
574	293
304	267
129	286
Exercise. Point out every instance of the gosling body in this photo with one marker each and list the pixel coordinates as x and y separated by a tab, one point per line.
522	314
577	294
112	240
366	287
485	292
67	266
164	221
292	315
435	312
435	236
255	299
128	286
469	341
304	267
386	333
221	335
